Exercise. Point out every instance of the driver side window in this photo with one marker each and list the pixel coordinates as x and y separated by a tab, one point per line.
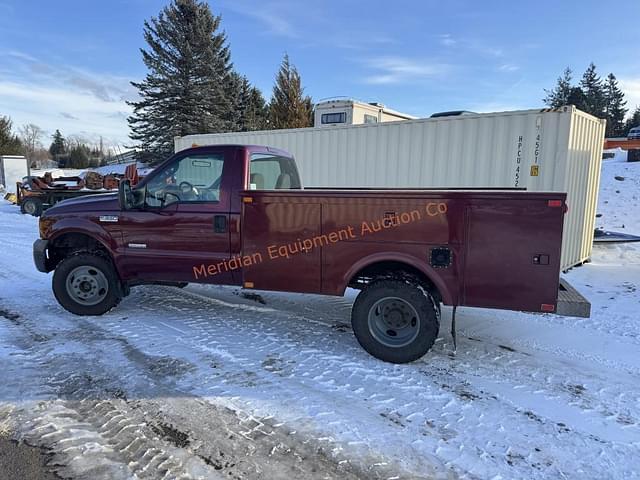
192	179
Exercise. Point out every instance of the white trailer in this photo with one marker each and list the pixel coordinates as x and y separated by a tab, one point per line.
541	150
353	112
13	168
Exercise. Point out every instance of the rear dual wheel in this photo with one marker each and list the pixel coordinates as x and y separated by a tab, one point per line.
395	320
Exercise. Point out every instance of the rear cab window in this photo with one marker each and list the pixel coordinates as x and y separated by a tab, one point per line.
272	172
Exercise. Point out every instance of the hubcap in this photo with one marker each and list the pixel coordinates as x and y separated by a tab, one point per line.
30	207
87	285
393	322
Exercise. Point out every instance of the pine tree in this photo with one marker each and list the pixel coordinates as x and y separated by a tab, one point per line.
591	84
10	143
235	92
633	121
577	98
256	111
79	156
615	107
559	96
289	108
185	90
58	146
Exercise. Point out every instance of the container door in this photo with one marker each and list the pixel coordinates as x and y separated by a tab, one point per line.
513	255
273	253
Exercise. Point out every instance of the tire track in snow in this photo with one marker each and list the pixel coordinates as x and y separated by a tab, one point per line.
449	382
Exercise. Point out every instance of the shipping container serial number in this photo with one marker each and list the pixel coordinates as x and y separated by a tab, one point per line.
519	160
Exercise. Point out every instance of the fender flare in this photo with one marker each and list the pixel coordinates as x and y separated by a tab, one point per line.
83	227
409	260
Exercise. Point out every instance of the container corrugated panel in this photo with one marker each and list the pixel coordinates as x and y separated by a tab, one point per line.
542	150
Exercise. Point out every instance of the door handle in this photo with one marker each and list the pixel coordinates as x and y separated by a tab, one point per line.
220	223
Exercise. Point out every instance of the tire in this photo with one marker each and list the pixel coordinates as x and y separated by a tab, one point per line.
395	320
86	284
31	206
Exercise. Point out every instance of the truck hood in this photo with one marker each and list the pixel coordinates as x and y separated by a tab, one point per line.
90	203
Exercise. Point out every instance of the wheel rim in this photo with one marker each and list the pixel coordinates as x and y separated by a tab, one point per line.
30	207
393	322
87	285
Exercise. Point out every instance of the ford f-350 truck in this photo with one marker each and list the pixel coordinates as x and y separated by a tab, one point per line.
237	215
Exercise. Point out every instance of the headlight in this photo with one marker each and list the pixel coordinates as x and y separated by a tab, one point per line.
45	226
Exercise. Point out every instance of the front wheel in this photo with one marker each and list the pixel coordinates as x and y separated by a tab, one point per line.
395	321
86	284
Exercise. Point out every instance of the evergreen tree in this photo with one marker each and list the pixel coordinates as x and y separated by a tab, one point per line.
235	92
185	90
633	121
559	96
256	111
79	156
58	146
10	143
615	107
576	97
591	84
250	108
289	108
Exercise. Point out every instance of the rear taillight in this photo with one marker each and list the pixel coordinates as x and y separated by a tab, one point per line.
558	204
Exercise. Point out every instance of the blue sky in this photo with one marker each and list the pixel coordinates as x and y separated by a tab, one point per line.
66	64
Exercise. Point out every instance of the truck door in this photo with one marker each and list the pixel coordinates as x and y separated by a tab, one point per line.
181	227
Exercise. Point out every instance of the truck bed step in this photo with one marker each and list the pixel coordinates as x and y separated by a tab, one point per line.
570	302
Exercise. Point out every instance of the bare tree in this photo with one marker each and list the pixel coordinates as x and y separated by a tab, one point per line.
31	136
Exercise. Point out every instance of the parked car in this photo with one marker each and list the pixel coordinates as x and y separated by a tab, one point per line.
237	215
634	133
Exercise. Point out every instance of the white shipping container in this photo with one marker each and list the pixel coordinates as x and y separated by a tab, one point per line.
556	150
13	168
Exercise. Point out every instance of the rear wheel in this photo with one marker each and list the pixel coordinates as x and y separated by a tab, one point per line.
86	284
395	320
31	206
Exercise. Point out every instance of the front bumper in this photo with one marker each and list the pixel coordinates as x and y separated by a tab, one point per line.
40	255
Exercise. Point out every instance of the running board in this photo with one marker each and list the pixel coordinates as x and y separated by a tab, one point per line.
571	303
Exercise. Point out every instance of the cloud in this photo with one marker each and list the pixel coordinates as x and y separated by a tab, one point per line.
447	40
274	15
631	89
398	70
470	44
69	116
74	100
508	67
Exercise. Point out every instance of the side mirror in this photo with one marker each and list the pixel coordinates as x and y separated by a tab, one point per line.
170	198
125	196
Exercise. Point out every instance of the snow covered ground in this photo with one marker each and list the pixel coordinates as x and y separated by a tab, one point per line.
207	383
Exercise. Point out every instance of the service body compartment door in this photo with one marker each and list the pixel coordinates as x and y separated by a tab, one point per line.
513	255
274	257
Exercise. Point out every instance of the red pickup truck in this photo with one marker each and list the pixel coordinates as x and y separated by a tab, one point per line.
237	215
